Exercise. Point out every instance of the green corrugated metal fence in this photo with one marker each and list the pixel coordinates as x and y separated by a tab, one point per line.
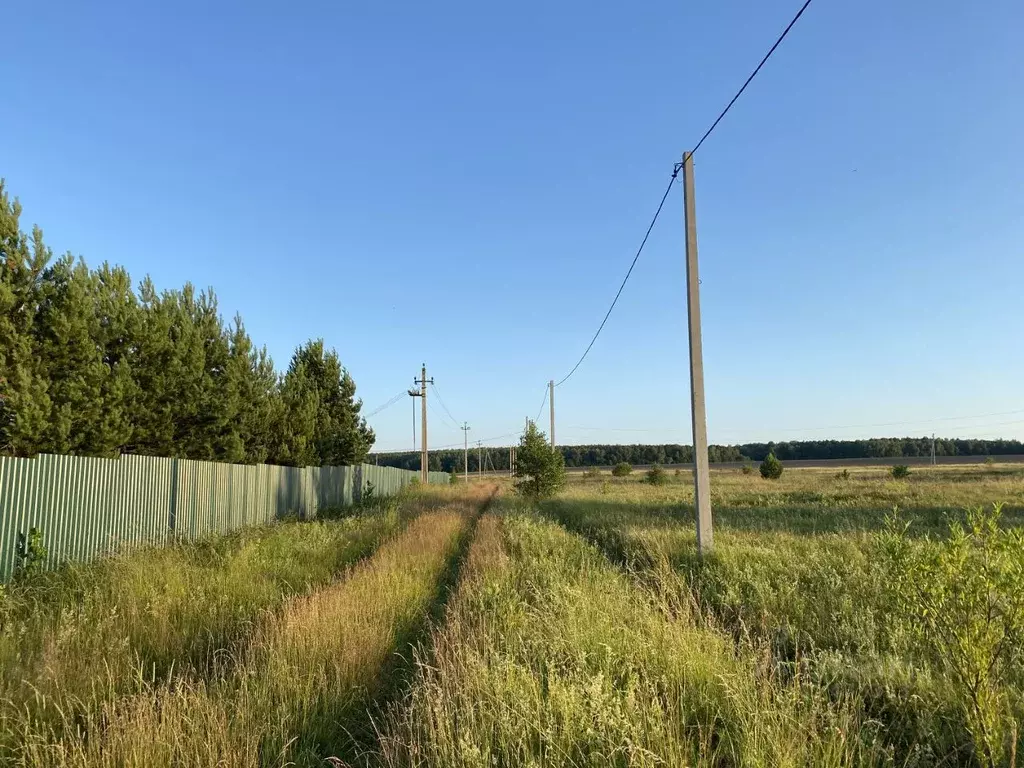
86	507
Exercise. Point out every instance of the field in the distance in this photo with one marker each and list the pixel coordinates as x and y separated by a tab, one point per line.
438	630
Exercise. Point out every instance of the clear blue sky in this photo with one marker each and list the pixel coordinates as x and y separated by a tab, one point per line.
465	183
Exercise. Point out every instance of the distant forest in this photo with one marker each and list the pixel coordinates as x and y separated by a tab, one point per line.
606	455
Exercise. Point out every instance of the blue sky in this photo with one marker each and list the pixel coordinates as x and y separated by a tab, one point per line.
465	183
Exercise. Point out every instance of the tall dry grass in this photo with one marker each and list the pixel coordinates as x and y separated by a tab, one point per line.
816	585
550	657
78	644
307	671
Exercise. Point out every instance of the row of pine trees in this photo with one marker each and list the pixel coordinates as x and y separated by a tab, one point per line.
89	366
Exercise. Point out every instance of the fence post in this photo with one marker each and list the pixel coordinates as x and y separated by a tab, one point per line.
357	485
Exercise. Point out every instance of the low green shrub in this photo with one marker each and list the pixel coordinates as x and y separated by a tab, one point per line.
622	469
900	471
771	467
656	475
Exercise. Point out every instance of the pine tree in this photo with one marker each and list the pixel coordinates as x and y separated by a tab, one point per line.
322	423
540	469
251	377
24	401
88	388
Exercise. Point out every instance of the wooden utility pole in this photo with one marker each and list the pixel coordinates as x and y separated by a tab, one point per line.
701	471
465	441
551	404
422	394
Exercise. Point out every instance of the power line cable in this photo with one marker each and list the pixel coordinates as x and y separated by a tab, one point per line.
386	405
441	401
752	76
675	172
441	416
657	213
485	440
542	403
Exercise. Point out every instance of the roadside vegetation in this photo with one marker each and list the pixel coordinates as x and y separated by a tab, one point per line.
572	627
551	656
82	647
918	617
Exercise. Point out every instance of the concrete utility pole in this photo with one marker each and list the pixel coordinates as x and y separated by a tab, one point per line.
933	449
701	471
551	403
465	441
422	394
479	457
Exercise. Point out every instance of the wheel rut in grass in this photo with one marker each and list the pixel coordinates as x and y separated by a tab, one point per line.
363	719
302	691
134	622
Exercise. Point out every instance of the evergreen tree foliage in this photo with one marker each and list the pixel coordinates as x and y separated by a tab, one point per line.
320	394
771	467
540	469
24	399
90	367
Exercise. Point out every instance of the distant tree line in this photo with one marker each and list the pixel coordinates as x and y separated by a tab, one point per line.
89	366
609	455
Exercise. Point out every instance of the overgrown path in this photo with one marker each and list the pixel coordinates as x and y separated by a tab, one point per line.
81	637
303	682
551	656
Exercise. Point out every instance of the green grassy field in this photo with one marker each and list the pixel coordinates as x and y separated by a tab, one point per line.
578	631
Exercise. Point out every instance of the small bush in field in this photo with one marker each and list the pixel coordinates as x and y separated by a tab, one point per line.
656	475
844	475
453	478
900	471
989	461
771	467
679	473
622	469
605	487
747	469
592	474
